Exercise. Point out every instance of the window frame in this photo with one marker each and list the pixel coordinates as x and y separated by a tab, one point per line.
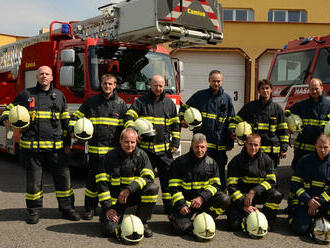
249	15
302	15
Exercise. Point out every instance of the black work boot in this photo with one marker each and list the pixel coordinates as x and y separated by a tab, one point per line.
33	217
147	231
89	214
70	214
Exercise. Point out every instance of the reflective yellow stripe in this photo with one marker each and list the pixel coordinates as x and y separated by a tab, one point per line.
177	197
67	193
256	180
101	177
300	191
266	185
175	134
212	189
132	113
147	172
282	125
284	138
104	196
175	182
236	195
232	125
141	182
166	196
72	123
271	177
107	121
89	193
214	146
269	149
149	198
99	149
115	181
303	146
65	115
78	114
313	122
215	180
40	144
318	184
33	197
218	211
44	114
129	123
274	206
325	196
156	148
297	179
232	180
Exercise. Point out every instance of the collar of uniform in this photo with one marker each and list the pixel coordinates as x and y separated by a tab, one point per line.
322	98
153	97
112	97
51	87
193	158
247	157
267	103
122	154
219	93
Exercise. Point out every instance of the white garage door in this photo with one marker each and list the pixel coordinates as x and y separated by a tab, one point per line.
197	66
264	65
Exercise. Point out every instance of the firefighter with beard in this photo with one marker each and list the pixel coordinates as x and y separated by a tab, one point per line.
161	112
105	111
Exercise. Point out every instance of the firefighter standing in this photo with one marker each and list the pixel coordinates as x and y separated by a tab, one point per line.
314	112
266	119
252	180
125	178
42	144
195	186
311	185
217	109
161	112
106	111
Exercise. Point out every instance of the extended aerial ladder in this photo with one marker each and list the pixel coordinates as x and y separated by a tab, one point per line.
183	23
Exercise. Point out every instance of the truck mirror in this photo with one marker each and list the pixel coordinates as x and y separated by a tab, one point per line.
67	76
68	56
180	71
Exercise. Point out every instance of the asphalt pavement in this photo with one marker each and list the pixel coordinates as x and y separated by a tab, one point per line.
52	231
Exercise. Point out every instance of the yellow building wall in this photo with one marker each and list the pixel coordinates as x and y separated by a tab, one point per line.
317	10
7	39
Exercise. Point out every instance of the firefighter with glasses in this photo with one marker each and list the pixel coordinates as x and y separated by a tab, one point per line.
252	180
161	112
217	109
125	178
43	142
195	187
105	111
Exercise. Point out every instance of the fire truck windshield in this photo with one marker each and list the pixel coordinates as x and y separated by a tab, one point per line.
292	68
134	68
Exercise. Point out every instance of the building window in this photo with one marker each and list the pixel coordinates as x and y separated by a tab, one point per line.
287	16
238	15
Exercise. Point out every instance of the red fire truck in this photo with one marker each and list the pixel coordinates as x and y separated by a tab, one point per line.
294	66
119	42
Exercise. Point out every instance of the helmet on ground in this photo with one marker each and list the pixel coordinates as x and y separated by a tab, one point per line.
256	224
19	117
144	127
327	128
242	130
204	226
295	123
132	229
83	129
321	231
193	118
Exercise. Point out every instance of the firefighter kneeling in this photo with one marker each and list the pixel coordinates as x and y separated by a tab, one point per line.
125	178
195	188
252	180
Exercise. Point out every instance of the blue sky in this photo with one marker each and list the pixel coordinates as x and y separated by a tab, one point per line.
27	17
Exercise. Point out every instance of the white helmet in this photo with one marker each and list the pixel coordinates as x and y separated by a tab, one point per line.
132	229
242	130
19	117
193	118
295	123
144	127
204	226
256	224
327	128
321	231
83	129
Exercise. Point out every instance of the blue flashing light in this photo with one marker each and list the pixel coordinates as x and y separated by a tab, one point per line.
285	46
65	29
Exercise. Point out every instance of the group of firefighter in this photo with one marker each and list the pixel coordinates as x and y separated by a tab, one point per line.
126	145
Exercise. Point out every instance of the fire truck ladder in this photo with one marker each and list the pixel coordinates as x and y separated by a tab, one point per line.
122	22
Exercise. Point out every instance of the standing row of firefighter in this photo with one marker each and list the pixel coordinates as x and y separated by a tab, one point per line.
121	174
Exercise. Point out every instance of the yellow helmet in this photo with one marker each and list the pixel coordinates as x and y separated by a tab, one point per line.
204	226
193	118
242	130
19	117
256	224
144	127
295	123
132	229
83	129
321	231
